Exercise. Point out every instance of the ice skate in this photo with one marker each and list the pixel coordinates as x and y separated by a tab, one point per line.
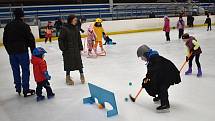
40	98
51	96
189	71
69	81
30	92
156	100
102	53
163	109
199	74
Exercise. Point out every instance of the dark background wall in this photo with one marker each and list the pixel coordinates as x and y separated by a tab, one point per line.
39	2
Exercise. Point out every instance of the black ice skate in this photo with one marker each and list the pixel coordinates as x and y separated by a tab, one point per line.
29	93
163	109
51	96
40	98
156	100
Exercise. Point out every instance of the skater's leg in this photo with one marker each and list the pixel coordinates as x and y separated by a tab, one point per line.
95	46
48	88
25	63
163	95
189	71
167	35
82	75
179	33
46	39
81	71
190	61
199	74
67	73
101	46
50	39
39	89
14	62
197	60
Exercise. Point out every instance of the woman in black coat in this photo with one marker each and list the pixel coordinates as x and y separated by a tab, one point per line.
71	46
161	73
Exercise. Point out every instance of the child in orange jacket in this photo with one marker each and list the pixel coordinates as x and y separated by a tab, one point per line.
99	32
48	32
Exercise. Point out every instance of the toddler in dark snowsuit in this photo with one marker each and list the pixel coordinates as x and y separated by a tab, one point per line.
161	74
108	40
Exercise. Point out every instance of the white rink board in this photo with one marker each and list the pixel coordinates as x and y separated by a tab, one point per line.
126	25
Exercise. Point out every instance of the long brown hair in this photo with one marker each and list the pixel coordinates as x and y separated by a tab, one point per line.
70	18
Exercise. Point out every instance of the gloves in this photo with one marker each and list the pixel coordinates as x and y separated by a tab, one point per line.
82	31
145	81
46	74
187	59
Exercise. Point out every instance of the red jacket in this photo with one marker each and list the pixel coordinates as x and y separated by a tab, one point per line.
166	27
39	67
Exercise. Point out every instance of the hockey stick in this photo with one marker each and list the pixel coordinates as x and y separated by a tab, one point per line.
185	62
134	99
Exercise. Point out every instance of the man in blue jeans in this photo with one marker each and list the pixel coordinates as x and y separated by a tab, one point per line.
17	38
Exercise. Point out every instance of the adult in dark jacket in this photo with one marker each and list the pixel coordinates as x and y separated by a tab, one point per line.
161	74
58	25
17	38
80	22
71	46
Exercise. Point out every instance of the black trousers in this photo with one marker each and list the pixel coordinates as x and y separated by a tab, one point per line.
163	94
181	32
46	39
196	59
209	27
46	85
167	36
80	71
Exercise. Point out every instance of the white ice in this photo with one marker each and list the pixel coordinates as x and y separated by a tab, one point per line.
191	100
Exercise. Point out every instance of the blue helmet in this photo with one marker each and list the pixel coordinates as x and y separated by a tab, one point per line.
39	51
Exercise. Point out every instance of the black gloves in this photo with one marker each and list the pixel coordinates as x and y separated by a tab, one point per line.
187	59
145	81
82	31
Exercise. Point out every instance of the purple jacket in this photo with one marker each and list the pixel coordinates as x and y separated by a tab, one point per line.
192	47
180	24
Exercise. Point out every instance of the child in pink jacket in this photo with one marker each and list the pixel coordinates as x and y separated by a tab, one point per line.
166	28
90	39
180	27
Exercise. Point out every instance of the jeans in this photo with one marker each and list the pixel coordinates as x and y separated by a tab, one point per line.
17	60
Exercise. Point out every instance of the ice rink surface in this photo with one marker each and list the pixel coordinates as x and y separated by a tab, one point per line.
191	100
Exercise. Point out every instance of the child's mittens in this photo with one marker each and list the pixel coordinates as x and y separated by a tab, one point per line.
145	81
48	77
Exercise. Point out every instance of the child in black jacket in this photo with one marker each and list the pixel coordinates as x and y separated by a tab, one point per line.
208	21
161	74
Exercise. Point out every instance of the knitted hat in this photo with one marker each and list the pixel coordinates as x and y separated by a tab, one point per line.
185	36
18	13
142	50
